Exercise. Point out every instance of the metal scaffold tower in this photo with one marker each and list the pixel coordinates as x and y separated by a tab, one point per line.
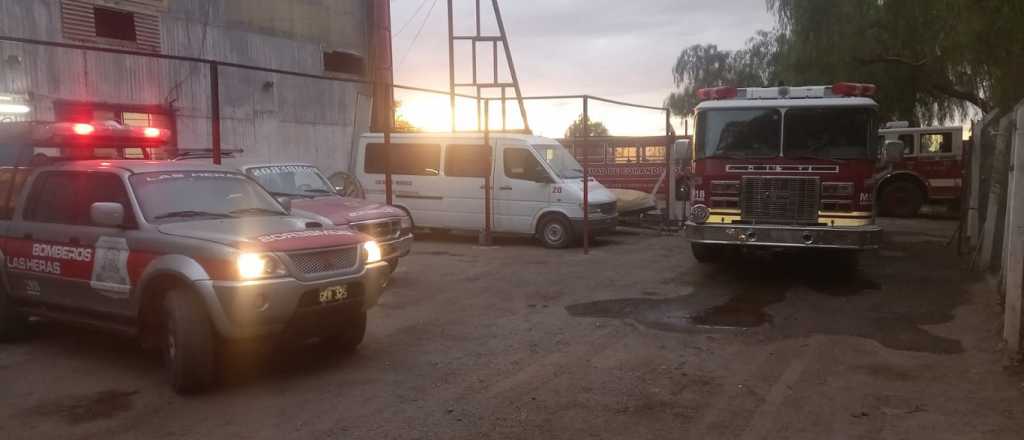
477	83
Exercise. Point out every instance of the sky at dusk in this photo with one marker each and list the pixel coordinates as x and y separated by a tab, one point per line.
617	49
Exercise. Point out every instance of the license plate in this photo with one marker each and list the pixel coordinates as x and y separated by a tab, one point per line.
333	294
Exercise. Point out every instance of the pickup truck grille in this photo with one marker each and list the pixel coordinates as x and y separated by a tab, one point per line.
316	262
380	230
780	199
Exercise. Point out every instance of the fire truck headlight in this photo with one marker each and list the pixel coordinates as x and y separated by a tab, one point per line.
700	214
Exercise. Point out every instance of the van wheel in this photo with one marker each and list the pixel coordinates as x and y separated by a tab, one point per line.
708	253
190	342
13	325
902	199
555	232
350	336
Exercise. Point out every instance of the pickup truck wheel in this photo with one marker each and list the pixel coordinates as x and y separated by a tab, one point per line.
902	199
13	325
555	232
350	336
708	253
190	342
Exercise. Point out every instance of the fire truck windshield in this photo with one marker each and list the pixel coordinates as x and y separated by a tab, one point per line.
829	133
812	132
738	133
560	160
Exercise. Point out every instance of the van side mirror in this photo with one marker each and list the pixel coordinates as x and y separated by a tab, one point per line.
107	214
286	203
892	152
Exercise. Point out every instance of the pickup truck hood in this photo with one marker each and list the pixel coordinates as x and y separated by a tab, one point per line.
265	233
345	210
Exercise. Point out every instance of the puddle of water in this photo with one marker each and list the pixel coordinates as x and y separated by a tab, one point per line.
77	410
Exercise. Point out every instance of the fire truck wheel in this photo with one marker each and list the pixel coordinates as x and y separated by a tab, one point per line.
555	232
13	325
902	199
190	342
350	336
708	253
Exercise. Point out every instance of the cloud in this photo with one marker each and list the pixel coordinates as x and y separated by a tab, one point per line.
613	48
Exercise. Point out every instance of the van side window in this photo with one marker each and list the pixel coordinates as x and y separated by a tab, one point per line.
936	143
406	159
520	164
466	161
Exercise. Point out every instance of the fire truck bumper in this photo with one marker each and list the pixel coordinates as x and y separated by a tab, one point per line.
852	238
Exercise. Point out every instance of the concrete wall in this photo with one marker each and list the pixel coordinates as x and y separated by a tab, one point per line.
271	117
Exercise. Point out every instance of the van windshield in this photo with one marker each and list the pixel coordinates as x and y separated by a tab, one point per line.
560	160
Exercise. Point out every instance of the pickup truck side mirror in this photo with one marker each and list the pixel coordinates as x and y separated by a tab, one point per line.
892	152
286	203
107	214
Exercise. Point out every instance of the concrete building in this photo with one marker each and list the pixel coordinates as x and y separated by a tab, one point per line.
268	116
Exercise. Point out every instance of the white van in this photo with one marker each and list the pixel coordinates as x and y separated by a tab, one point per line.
438	180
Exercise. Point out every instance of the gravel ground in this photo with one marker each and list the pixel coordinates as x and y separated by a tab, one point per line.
635	340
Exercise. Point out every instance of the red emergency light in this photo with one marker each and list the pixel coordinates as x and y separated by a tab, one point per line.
83	129
151	132
854	89
717	93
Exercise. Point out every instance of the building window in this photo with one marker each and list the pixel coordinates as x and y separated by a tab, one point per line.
136	26
344	62
117	25
654	154
626	154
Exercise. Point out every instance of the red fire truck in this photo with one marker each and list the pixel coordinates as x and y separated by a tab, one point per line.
785	167
931	169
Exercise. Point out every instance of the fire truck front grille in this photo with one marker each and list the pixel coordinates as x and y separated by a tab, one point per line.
311	263
780	199
381	230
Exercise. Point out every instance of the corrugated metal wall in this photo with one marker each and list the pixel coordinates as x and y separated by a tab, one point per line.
271	117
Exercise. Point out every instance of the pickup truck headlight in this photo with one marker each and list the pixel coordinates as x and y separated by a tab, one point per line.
406	223
373	253
258	265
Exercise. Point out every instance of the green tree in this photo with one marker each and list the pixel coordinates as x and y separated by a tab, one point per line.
594	128
933	61
705	65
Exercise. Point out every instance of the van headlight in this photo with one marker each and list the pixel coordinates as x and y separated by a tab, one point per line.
373	253
259	265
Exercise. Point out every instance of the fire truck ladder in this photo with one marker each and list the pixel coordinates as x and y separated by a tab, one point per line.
495	83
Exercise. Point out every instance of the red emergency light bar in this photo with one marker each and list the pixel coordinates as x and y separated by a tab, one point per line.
83	129
854	89
717	93
151	132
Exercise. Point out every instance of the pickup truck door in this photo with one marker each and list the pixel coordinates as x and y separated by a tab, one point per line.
64	260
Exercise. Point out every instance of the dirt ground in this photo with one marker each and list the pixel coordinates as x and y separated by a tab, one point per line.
634	341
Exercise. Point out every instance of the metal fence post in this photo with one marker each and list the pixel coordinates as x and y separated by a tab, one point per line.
485	237
670	175
586	177
1013	255
215	112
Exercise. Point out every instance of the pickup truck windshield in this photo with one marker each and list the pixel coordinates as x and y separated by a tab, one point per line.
560	160
739	133
829	133
200	195
292	180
